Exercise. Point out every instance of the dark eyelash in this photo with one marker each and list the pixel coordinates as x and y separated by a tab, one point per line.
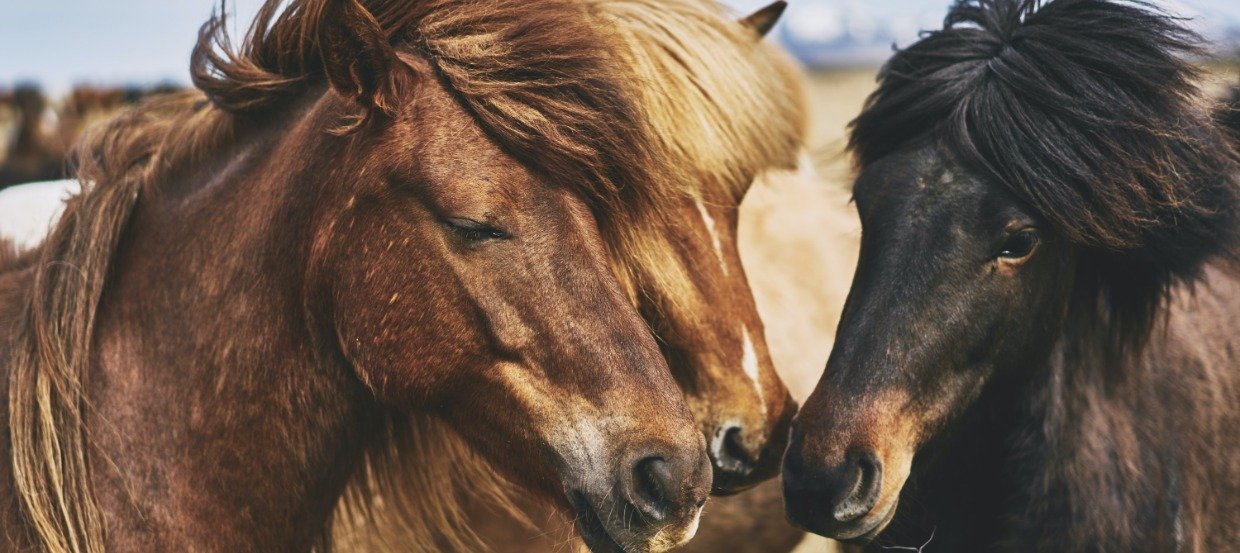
474	231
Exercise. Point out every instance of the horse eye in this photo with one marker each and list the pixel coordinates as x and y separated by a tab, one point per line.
473	231
1019	245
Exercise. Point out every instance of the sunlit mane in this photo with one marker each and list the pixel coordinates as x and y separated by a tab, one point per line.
718	99
722	106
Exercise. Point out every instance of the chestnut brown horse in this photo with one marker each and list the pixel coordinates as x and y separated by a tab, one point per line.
692	60
1040	348
385	208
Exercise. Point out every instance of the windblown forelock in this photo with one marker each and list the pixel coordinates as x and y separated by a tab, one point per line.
543	82
725	105
1089	112
539	77
591	94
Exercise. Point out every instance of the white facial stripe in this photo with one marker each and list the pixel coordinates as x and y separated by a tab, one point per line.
805	165
749	362
714	234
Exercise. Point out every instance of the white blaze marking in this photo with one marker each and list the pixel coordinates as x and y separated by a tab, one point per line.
714	234
805	165
749	362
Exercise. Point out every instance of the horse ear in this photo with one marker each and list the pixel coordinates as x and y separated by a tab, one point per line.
359	62
763	20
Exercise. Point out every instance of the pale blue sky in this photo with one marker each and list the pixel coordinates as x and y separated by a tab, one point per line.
62	42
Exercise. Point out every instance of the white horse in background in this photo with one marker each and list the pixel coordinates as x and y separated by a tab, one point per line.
28	211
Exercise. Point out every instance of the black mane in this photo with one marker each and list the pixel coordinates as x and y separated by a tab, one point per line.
1090	113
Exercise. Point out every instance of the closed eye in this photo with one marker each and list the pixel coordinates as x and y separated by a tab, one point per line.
473	231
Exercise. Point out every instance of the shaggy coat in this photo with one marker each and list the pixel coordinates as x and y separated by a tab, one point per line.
1040	349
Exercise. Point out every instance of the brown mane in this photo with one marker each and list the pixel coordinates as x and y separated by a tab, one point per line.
539	78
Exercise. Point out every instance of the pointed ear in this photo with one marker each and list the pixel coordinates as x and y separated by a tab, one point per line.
763	20
359	62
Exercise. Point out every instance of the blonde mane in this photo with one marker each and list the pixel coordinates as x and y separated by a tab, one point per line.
720	101
723	107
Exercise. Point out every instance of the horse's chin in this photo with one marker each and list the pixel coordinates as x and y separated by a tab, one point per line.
599	539
590	526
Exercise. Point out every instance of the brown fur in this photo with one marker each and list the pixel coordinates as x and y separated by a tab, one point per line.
172	155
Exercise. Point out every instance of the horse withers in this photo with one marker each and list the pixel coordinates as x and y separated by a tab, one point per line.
1039	349
370	217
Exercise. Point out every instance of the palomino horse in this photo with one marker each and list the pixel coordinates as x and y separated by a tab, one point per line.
1040	348
384	208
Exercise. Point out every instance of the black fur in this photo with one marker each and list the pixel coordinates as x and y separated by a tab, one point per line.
1088	111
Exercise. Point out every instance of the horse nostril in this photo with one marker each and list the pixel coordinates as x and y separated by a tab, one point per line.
863	494
729	453
654	488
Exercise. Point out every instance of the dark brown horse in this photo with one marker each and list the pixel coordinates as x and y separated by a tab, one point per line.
385	208
1040	349
34	153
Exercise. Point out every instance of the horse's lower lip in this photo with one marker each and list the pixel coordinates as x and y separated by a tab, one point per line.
590	526
863	535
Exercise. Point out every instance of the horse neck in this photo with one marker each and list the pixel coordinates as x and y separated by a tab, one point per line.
1043	461
1137	453
224	421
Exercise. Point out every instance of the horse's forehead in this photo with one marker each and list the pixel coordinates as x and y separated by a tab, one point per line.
920	192
453	155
